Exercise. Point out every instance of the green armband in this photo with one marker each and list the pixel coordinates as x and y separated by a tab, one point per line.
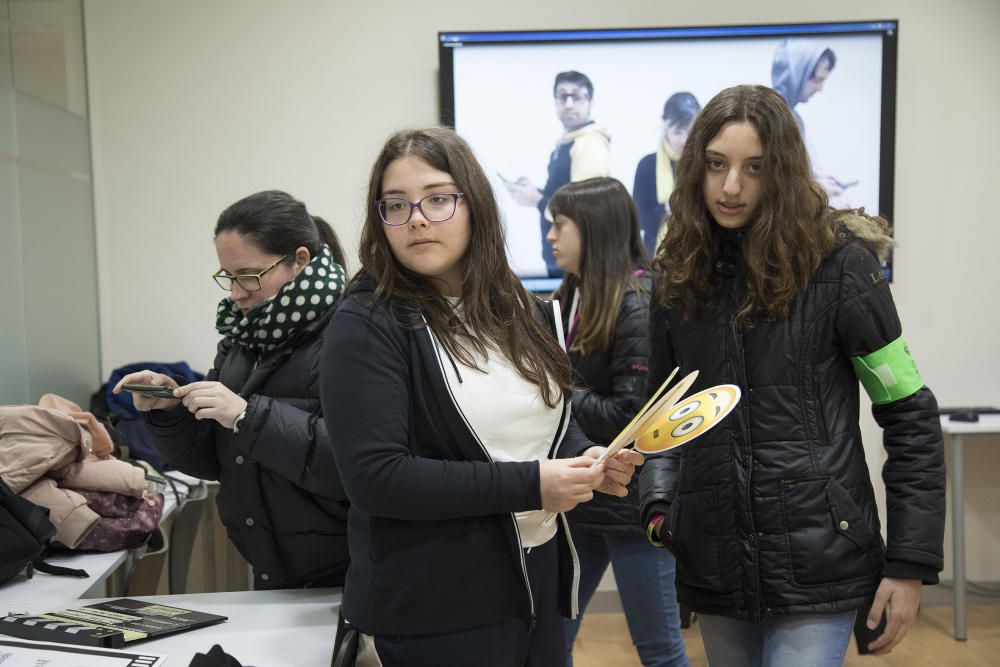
888	374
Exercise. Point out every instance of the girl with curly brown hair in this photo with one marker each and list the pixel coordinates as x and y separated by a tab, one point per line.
772	515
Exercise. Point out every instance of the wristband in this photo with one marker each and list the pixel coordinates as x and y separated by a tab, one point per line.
239	420
651	530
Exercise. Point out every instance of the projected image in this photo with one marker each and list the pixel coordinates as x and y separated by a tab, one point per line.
582	151
542	114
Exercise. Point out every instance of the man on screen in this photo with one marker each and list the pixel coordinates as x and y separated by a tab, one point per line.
799	70
583	151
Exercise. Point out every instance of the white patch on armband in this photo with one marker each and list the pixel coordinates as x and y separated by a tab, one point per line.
885	375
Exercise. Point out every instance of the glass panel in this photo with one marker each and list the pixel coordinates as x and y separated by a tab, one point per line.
13	352
48	262
51	135
8	125
47	48
60	283
6	68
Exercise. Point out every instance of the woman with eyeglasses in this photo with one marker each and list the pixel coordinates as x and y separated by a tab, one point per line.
454	435
255	423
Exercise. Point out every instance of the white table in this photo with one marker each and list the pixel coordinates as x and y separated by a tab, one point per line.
956	432
265	628
99	566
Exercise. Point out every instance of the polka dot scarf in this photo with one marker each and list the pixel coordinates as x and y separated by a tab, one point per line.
269	325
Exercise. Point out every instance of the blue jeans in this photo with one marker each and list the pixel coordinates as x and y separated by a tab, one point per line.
645	578
806	640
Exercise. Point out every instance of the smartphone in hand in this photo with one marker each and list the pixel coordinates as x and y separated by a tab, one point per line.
150	390
862	635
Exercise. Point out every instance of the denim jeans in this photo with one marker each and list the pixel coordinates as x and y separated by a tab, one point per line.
645	578
803	640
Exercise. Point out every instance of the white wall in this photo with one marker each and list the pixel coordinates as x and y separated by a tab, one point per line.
195	104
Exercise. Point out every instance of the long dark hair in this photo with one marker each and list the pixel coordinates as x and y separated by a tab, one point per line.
611	250
278	224
791	231
496	309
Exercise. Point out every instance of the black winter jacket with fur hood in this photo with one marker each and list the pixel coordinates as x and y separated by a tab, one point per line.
773	511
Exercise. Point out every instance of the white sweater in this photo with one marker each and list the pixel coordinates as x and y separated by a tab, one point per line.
510	418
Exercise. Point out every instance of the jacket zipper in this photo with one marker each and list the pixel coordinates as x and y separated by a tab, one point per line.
561	336
745	423
524	566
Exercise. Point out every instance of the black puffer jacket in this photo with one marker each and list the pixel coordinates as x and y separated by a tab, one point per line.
612	386
773	511
280	497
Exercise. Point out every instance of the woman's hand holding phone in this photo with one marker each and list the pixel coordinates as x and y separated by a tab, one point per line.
147	399
212	400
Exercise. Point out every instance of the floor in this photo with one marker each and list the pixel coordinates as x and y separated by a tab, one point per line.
604	642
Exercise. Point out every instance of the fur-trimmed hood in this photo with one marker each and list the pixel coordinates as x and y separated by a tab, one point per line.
864	227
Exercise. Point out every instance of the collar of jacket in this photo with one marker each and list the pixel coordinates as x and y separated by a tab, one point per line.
265	365
728	250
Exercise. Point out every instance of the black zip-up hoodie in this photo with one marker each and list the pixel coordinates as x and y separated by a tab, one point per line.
434	545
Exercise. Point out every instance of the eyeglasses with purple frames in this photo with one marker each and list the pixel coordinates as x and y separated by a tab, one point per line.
436	207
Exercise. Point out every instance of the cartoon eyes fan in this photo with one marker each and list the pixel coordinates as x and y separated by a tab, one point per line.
664	423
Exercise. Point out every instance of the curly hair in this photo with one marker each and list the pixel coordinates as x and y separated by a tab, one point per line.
791	231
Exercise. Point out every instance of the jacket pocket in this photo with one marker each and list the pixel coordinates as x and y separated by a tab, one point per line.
828	539
823	434
694	538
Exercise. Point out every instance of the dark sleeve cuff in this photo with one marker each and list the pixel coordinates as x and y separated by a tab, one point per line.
658	509
535	485
167	418
901	569
651	510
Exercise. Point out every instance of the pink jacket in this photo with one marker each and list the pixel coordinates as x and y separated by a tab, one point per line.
44	453
35	440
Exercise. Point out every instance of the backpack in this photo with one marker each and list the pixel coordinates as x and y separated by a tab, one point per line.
25	533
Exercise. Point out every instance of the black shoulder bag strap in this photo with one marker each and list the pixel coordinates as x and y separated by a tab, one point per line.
35	519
